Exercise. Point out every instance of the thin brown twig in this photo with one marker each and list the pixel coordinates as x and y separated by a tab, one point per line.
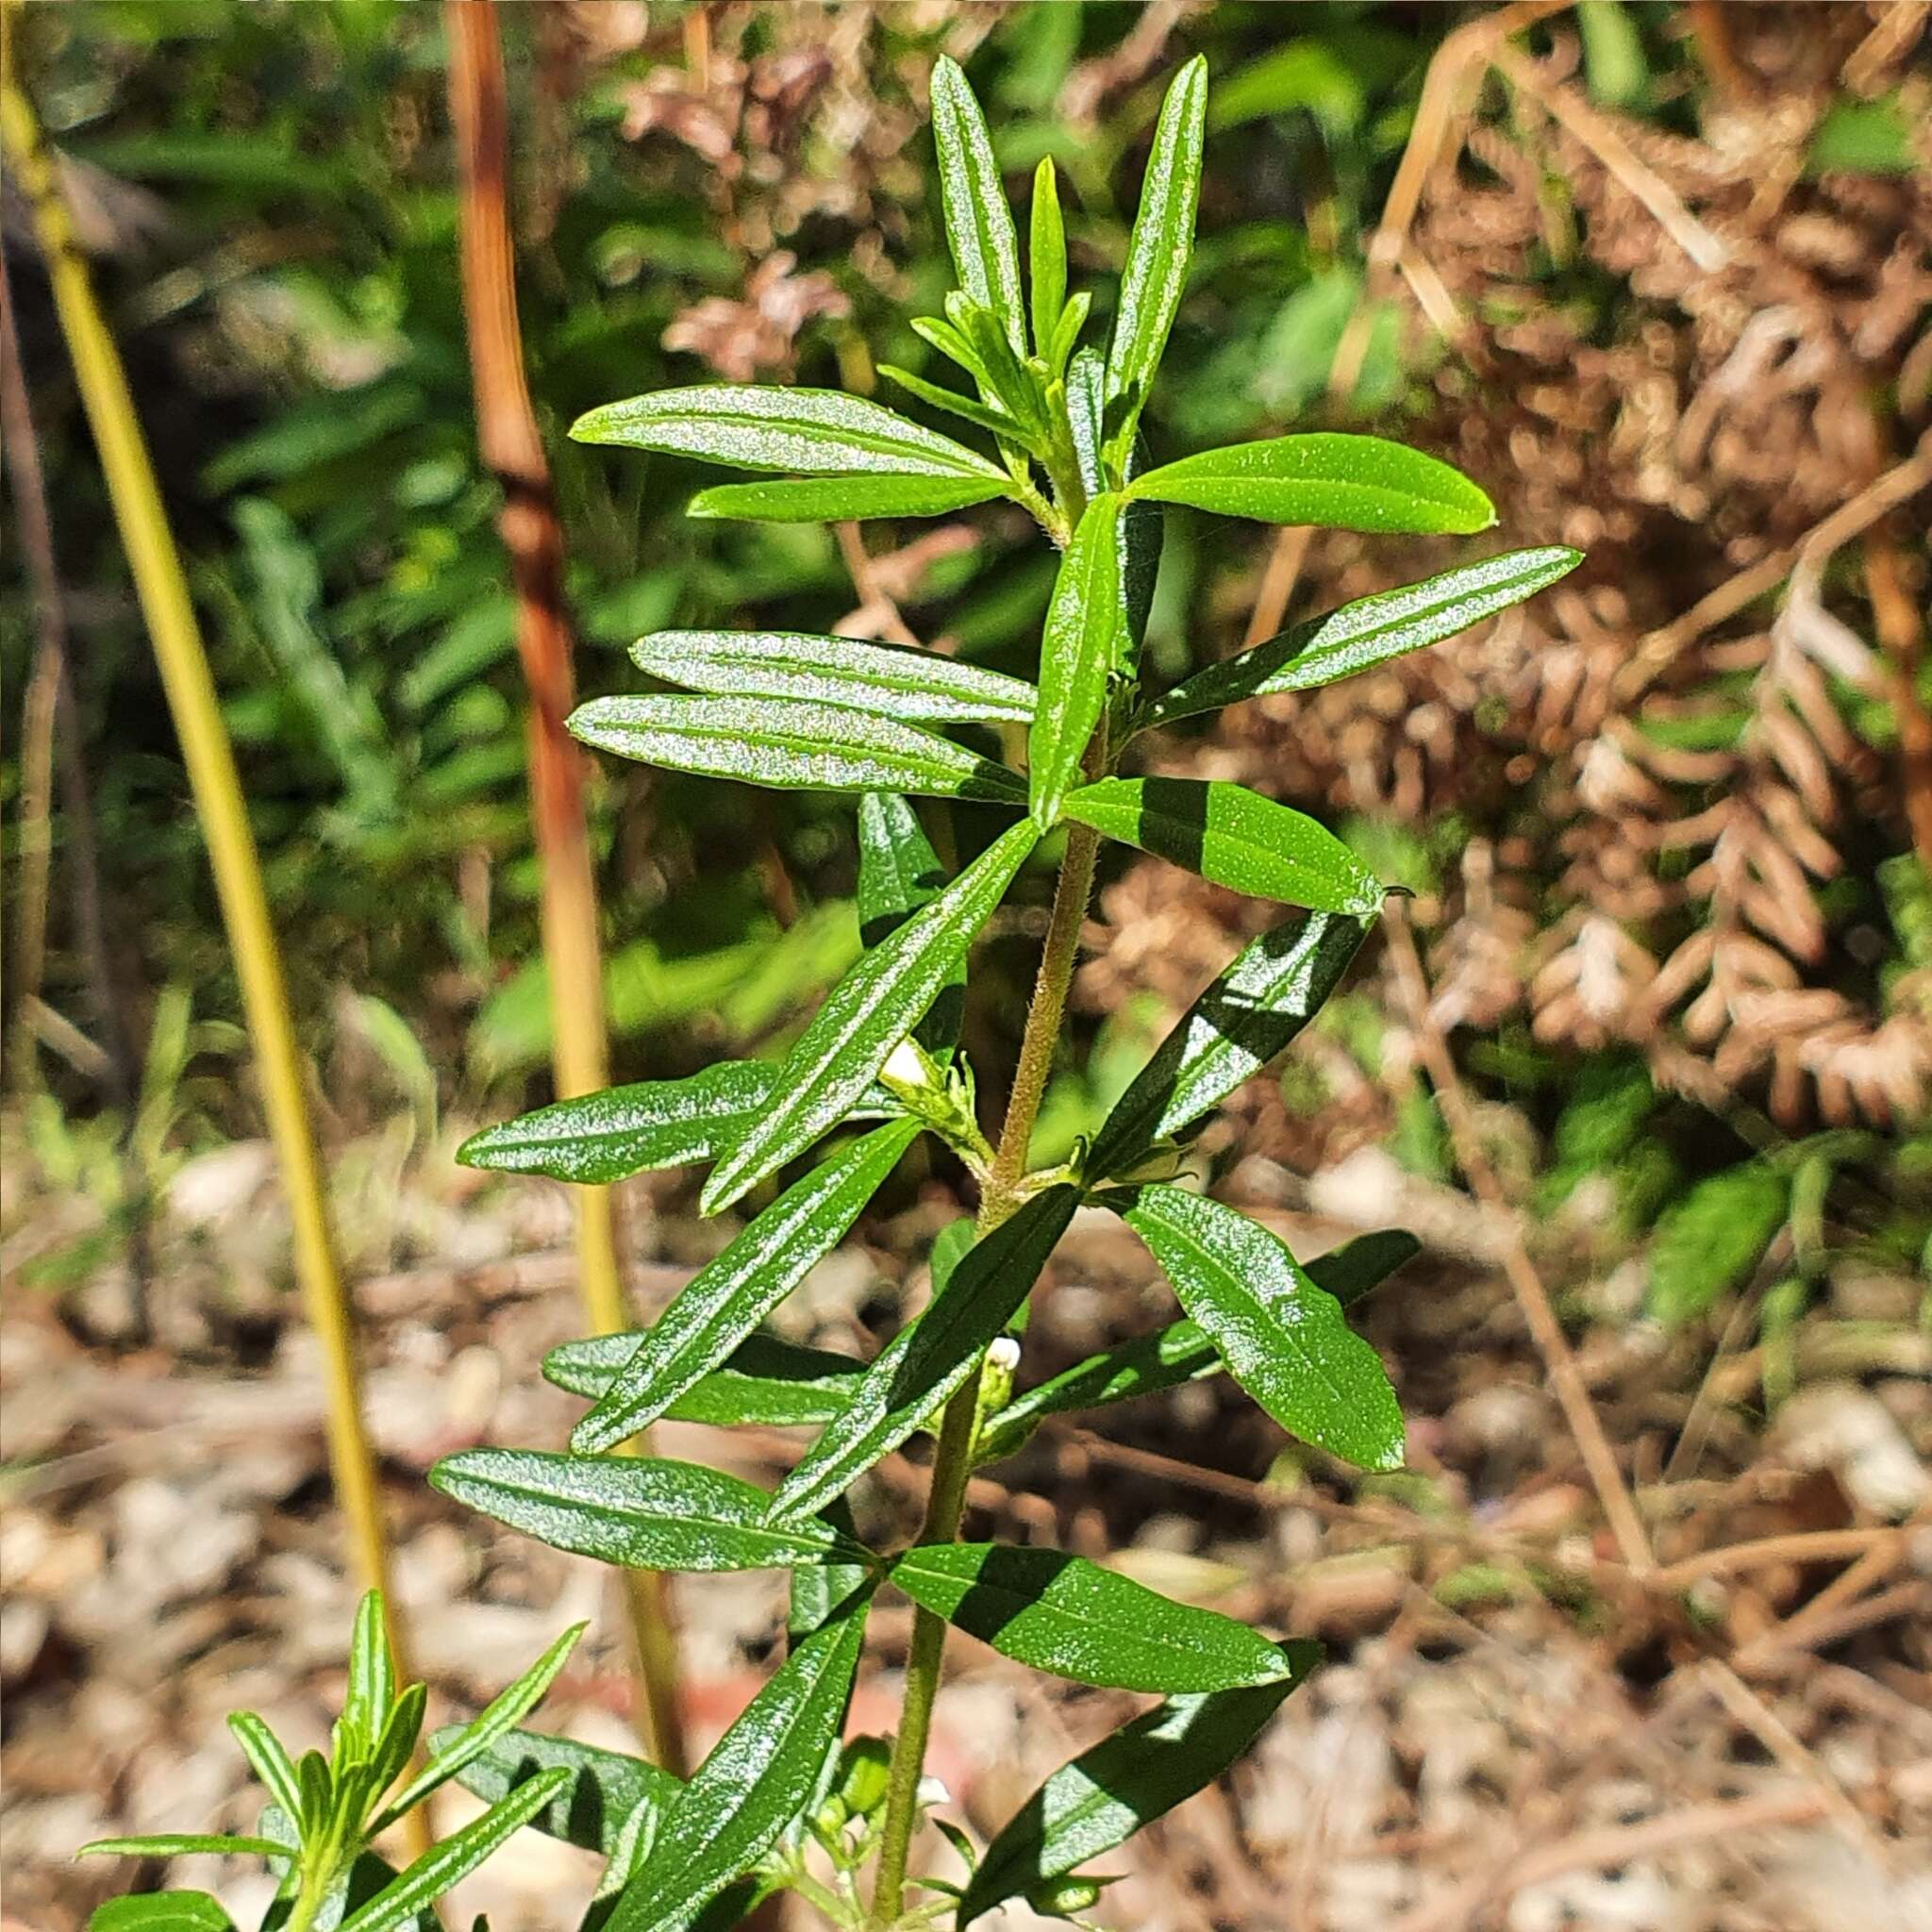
1657	651
1902	632
1847	1587
1790	1751
1532	1298
532	534
1597	132
1799	1546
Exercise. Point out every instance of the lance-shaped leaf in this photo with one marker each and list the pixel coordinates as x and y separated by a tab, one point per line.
833	499
651	1123
766	1382
647	1514
1284	1340
496	1721
455	1857
886	678
865	1015
1139	1772
820	1595
1368	632
898	872
791	743
1234	837
809	432
1343	482
371	1688
979	224
759	1776
1181	1352
1085	641
1066	1615
1046	248
161	1911
605	1789
1140	523
930	1357
1246	1016
987	416
268	1759
734	1292
184	1845
1157	251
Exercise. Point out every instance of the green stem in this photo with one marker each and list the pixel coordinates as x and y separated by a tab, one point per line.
952	1463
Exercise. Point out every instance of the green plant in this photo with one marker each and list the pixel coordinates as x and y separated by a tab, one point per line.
780	1801
324	1814
783	710
779	710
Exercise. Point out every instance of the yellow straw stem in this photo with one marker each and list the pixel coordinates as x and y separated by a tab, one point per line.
162	590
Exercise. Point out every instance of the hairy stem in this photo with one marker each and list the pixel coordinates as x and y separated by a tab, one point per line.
953	1463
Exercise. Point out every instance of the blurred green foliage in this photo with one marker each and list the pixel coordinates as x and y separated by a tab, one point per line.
268	192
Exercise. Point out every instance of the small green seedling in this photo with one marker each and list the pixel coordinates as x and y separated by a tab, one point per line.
324	1814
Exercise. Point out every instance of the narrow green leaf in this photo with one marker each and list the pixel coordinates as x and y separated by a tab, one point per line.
1009	384
1066	338
944	336
184	1845
452	1860
931	1356
318	1792
1234	837
1246	1016
766	1382
1181	1352
759	1776
979	224
1283	1339
898	869
497	1719
809	432
885	678
1047	244
833	499
605	1789
864	1016
1342	482
1157	251
820	1595
161	1911
1084	643
1142	526
995	422
268	1759
397	1744
731	1294
791	743
1100	1800
647	1514
1368	632
1066	1615
652	1124
371	1685
898	872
